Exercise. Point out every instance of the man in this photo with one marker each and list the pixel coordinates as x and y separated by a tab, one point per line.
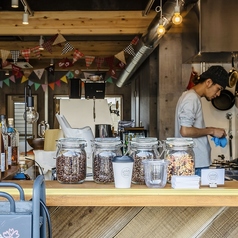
189	120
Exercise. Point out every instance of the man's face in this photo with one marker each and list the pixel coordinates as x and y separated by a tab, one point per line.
213	91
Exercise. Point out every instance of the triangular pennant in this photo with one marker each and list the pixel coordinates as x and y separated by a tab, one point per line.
64	79
109	61
58	82
89	60
59	39
27	72
130	50
6	81
26	54
99	62
70	75
37	85
44	86
15	55
12	78
77	55
135	40
39	72
36	51
121	57
52	86
65	63
24	79
48	44
16	71
67	47
109	80
50	69
4	55
30	83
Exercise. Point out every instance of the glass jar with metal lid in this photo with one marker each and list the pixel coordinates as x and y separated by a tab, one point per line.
71	162
104	150
142	149
179	153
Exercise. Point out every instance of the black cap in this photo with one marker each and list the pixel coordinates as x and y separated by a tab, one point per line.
217	74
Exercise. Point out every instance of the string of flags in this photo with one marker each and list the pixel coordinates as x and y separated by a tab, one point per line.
59	40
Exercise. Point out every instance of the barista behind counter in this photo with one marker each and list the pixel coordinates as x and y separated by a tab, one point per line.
189	120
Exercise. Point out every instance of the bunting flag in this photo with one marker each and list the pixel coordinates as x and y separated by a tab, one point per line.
77	55
16	71
89	60
70	75
36	51
7	82
26	54
30	83
48	44
37	85
58	83
24	79
109	61
135	40
121	65
130	50
52	86
51	69
27	72
65	63
64	79
67	47
112	72
4	55
12	78
44	86
39	72
15	55
109	80
59	39
99	62
121	57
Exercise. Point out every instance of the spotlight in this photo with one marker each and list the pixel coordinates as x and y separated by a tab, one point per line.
25	17
41	42
15	3
7	73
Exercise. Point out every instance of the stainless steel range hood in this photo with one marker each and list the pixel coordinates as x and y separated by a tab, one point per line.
150	40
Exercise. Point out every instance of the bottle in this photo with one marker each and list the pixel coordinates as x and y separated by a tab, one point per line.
4	144
14	142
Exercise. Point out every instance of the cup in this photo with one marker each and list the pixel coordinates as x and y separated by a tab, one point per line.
155	173
122	171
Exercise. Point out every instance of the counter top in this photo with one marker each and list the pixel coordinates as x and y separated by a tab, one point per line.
91	194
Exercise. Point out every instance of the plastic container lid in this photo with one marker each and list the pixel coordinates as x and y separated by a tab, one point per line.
122	159
179	142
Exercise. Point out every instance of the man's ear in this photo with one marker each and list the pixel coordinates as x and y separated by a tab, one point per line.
209	82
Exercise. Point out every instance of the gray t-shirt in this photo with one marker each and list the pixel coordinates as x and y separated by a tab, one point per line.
189	113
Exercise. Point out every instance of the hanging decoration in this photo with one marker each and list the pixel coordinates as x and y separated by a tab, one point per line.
130	50
50	69
135	40
36	51
121	57
15	55
59	39
77	55
48	44
26	54
99	62
89	60
4	55
16	71
65	63
39	72
67	47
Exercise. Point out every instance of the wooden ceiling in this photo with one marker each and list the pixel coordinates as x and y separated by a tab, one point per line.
94	27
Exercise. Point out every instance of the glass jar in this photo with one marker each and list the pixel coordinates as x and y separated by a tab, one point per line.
142	149
104	150
71	163
179	153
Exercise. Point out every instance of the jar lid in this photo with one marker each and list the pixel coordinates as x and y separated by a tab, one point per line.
144	140
108	141
122	159
179	142
72	141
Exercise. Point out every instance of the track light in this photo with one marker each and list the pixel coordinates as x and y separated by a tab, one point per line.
177	18
25	17
15	3
7	72
160	29
51	62
41	42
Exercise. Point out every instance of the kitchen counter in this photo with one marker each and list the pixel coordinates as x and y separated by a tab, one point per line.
91	194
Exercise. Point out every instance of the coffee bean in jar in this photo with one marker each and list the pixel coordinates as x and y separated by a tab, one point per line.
143	149
179	153
104	150
71	162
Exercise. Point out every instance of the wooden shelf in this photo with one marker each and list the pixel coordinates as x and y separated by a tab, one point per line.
91	194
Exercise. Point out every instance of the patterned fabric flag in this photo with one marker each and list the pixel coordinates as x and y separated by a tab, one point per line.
130	50
4	55
26	54
59	39
16	71
89	60
65	63
48	44
99	62
50	69
135	40
77	55
67	47
109	61
15	55
121	57
39	72
36	51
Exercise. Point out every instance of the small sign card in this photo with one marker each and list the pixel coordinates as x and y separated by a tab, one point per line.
212	177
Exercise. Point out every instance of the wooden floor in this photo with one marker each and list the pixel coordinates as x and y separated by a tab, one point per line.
141	222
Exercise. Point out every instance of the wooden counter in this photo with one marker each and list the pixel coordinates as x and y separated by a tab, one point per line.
92	194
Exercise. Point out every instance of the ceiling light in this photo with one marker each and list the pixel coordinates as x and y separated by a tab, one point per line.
41	42
51	62
160	29
15	3
177	18
25	17
7	72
